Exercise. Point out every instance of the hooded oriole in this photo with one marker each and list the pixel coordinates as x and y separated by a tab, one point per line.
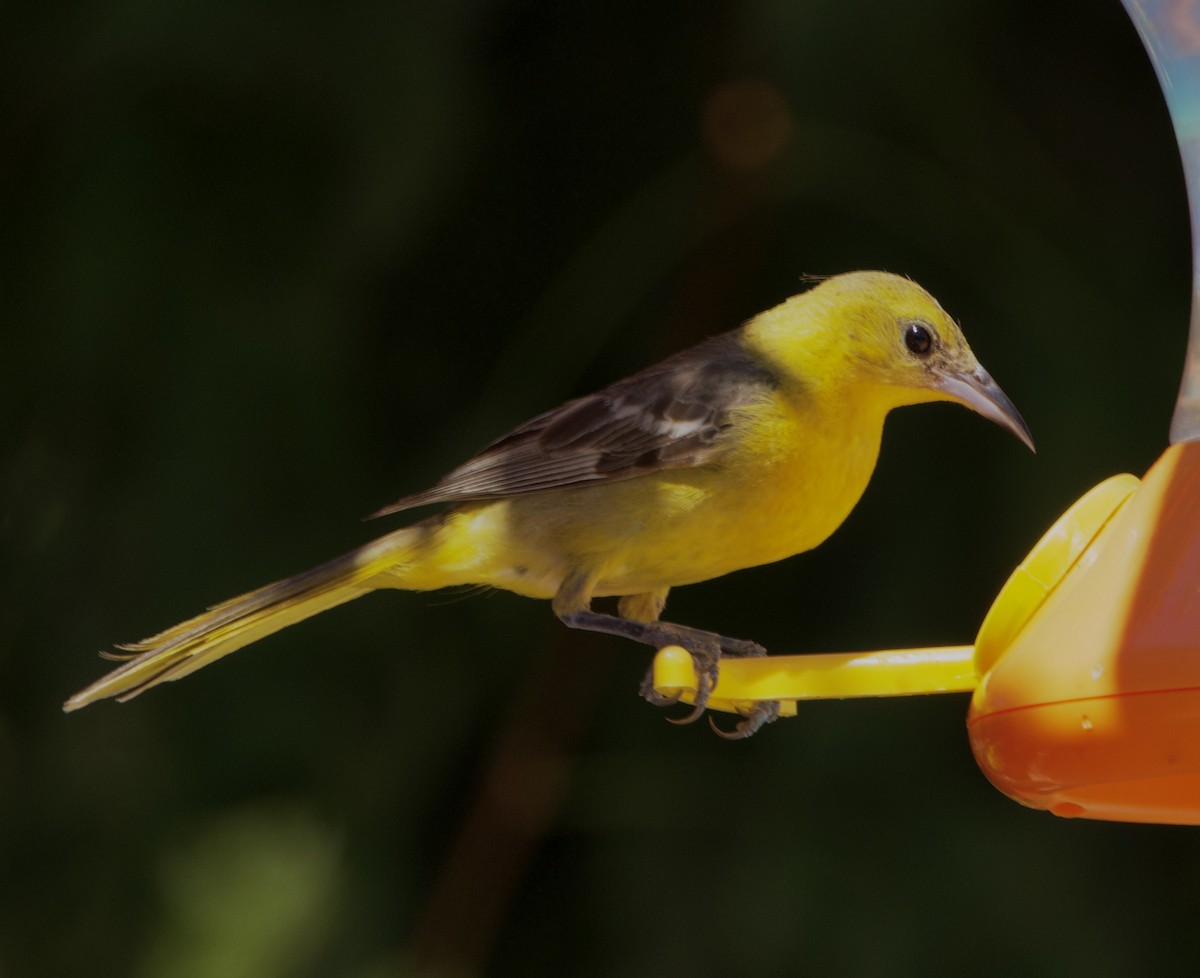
747	448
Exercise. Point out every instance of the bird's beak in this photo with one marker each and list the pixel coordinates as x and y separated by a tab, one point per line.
983	395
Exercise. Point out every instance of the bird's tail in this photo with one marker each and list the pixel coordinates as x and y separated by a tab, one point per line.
195	643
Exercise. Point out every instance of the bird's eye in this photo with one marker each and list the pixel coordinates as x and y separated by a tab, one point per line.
918	339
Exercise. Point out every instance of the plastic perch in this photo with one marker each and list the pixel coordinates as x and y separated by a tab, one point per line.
1085	673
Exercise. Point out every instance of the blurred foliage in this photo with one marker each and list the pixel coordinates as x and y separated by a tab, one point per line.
281	864
265	268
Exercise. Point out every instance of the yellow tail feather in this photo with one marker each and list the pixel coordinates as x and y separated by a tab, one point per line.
226	627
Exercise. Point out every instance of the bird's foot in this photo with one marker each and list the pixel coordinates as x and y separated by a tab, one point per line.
740	648
652	695
761	713
759	716
707	666
706	661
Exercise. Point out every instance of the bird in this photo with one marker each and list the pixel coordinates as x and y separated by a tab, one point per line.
752	446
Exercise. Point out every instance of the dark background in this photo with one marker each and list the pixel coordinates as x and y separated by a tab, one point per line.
268	267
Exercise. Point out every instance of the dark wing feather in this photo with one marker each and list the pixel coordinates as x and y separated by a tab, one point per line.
669	416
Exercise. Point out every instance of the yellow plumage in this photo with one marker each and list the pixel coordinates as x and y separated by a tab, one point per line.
746	449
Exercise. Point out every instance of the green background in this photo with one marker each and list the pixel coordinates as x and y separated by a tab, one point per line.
268	267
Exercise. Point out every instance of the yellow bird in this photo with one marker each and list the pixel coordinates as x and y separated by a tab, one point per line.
750	447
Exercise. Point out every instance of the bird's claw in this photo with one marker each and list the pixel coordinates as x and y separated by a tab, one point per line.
759	716
706	662
706	667
706	679
649	693
696	714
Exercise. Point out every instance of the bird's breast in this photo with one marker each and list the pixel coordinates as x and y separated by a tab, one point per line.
768	500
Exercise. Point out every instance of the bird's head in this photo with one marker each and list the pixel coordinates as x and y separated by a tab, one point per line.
887	334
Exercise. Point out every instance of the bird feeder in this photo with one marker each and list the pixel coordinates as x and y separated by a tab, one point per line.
1085	674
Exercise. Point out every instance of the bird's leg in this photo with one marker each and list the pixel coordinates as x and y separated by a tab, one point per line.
662	633
706	649
572	604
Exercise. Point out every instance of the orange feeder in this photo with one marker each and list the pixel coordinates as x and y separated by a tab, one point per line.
1094	708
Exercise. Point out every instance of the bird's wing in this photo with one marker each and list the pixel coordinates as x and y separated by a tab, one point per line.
669	416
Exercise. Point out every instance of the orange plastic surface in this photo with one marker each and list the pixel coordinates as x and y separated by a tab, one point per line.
1044	568
1094	708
